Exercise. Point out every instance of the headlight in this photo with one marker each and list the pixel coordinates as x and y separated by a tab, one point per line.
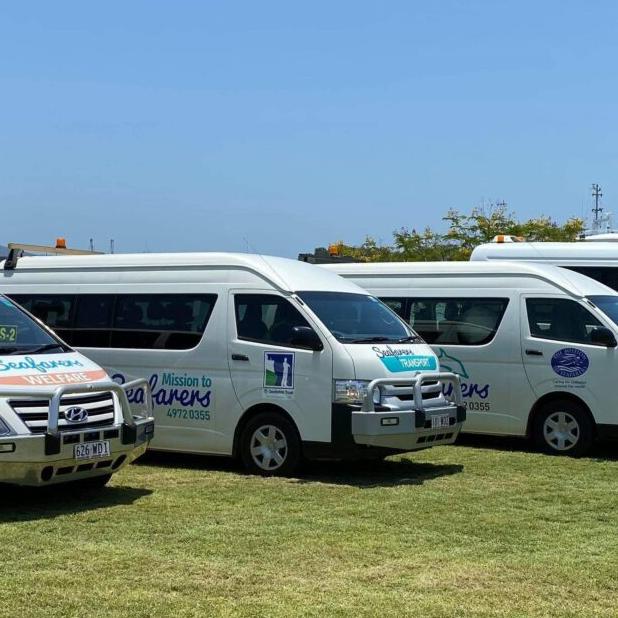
353	391
5	430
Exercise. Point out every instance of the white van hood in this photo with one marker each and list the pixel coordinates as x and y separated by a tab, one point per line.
392	360
45	370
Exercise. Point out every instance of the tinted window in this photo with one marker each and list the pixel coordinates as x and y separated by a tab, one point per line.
607	275
93	319
55	311
608	305
148	321
560	319
398	305
20	334
356	318
266	318
453	321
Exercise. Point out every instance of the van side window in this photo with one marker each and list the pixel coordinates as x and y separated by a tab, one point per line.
136	321
92	321
398	305
55	311
607	275
560	319
452	321
266	318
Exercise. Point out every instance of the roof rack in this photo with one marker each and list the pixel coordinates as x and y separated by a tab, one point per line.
16	250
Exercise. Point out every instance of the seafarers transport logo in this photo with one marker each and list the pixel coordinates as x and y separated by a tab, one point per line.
279	370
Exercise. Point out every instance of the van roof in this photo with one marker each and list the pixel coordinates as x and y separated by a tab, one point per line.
575	253
285	274
569	281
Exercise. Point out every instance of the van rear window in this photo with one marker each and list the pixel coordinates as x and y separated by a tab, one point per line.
136	321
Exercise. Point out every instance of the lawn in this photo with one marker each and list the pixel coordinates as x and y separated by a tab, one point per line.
483	529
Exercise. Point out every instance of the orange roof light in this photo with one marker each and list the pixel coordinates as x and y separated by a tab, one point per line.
502	238
334	248
61	243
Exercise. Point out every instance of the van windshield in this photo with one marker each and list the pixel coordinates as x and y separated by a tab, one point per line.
358	318
20	334
608	305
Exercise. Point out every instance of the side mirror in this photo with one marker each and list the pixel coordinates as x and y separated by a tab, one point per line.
603	336
306	337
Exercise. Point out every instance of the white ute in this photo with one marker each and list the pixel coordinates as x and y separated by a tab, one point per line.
61	417
263	358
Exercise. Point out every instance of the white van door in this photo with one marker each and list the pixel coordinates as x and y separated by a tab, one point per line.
267	369
557	351
476	337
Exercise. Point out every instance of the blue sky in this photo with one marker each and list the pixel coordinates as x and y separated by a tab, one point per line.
280	126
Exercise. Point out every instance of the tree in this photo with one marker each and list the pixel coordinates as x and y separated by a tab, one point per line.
464	233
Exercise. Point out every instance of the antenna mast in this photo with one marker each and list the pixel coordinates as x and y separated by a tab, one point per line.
597	210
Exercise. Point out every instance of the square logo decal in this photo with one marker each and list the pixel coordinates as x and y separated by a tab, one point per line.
279	370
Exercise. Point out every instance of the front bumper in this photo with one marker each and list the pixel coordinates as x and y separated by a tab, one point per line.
46	459
410	429
29	465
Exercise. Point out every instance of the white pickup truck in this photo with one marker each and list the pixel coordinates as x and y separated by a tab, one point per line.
61	417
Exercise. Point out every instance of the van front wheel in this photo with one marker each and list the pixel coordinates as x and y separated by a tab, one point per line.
563	428
270	445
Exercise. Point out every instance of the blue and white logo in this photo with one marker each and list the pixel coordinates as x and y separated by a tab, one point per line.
76	415
279	370
570	363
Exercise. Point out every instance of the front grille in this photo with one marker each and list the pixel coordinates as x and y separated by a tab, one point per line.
430	390
34	412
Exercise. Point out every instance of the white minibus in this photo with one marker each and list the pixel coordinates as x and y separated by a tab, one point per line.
61	417
534	345
595	259
259	357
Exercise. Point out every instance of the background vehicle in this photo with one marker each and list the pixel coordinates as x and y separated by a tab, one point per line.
61	417
534	345
261	357
595	259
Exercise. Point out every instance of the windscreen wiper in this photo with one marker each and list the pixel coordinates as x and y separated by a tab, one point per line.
12	350
410	338
42	348
372	340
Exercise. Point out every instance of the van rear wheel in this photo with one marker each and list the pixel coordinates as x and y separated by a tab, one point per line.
563	428
270	446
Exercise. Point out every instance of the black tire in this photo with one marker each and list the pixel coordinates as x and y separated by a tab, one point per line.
563	427
278	439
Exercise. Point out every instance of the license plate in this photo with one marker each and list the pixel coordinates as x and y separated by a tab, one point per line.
439	421
92	450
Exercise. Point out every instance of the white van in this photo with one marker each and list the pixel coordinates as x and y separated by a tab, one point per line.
595	259
61	417
261	357
534	345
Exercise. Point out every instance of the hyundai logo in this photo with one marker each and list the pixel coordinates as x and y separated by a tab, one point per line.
76	415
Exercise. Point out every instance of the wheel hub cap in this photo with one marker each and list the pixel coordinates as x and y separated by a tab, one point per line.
269	448
561	431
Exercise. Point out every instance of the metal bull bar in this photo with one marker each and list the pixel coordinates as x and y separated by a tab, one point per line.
413	386
402	428
52	438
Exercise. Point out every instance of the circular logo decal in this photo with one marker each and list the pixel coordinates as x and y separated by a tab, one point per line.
570	363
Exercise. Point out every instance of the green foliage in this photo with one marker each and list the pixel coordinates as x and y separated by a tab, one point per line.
464	233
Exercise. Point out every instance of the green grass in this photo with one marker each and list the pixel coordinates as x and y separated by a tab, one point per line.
456	531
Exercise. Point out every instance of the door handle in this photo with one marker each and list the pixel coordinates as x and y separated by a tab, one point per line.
240	357
534	353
